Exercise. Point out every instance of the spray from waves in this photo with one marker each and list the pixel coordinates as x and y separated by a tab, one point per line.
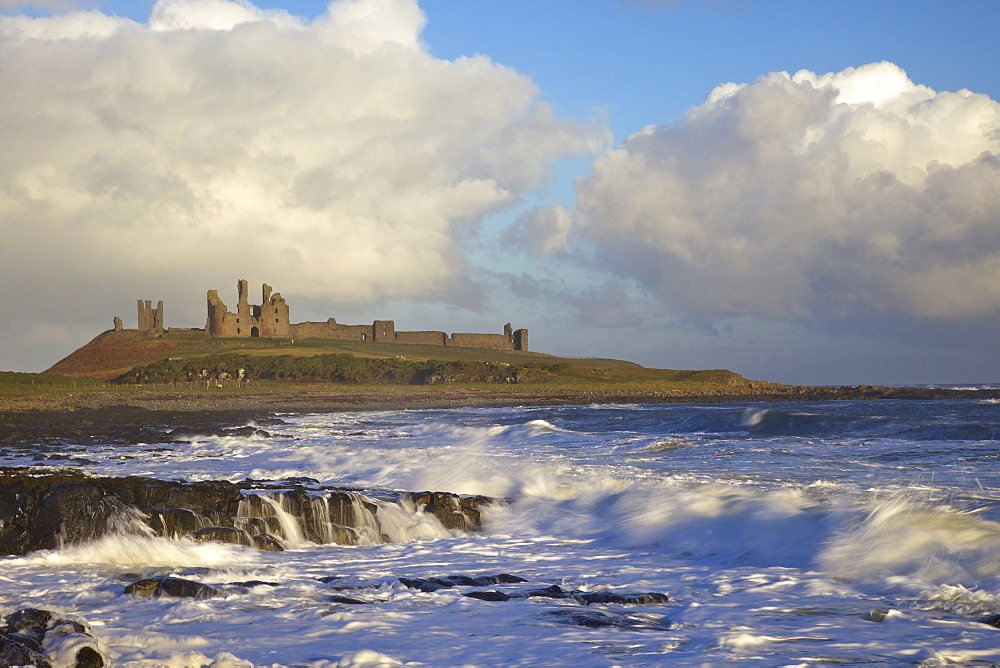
146	551
771	422
131	542
902	536
841	531
437	456
705	521
468	460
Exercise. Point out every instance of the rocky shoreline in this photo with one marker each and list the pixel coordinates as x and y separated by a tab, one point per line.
44	508
47	422
353	398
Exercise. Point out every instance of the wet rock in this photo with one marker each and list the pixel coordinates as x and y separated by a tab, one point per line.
555	591
592	620
604	597
433	584
449	519
491	595
250	584
459	581
186	434
452	510
43	510
14	653
73	512
425	586
342	535
33	636
29	623
259	525
875	615
175	522
349	600
502	578
230	535
169	586
992	620
267	543
599	619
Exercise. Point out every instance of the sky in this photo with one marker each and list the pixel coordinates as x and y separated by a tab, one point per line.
801	192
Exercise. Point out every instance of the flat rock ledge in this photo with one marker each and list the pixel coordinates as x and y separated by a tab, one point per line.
42	508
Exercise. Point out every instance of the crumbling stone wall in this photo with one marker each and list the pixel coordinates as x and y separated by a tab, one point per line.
331	330
493	341
271	320
422	338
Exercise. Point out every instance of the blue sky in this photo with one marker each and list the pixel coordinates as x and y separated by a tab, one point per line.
807	229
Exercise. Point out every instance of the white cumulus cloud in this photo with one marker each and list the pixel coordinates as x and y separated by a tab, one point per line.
332	157
809	197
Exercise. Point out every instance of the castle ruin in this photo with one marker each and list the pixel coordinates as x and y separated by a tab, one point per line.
271	320
150	319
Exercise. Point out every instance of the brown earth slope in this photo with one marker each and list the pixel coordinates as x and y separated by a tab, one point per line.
111	354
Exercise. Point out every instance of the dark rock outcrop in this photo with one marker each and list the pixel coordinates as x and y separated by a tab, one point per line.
603	619
992	620
168	586
19	651
33	636
453	511
875	615
349	600
601	597
42	508
267	543
491	595
433	584
606	597
223	535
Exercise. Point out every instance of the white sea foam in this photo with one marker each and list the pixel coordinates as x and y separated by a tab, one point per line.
776	531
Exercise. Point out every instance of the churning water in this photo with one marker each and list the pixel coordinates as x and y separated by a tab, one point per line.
784	534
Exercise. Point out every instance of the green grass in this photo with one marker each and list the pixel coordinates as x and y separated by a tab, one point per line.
15	383
114	353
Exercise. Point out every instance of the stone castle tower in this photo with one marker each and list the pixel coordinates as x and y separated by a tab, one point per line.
269	320
150	319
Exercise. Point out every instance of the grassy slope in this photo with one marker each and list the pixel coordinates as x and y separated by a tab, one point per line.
113	353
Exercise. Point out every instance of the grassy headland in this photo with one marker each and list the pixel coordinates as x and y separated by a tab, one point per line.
186	370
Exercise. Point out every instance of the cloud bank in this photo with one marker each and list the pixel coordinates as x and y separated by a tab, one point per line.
808	198
219	138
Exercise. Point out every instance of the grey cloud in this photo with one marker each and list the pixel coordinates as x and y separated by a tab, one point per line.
541	231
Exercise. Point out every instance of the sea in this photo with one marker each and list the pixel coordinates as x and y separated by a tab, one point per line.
781	534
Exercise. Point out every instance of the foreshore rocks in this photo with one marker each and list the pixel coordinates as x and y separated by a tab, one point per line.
166	405
65	434
40	638
599	597
614	604
169	586
41	508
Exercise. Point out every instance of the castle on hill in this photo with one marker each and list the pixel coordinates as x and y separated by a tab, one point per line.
270	319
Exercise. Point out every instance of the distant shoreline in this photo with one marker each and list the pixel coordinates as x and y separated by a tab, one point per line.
374	398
